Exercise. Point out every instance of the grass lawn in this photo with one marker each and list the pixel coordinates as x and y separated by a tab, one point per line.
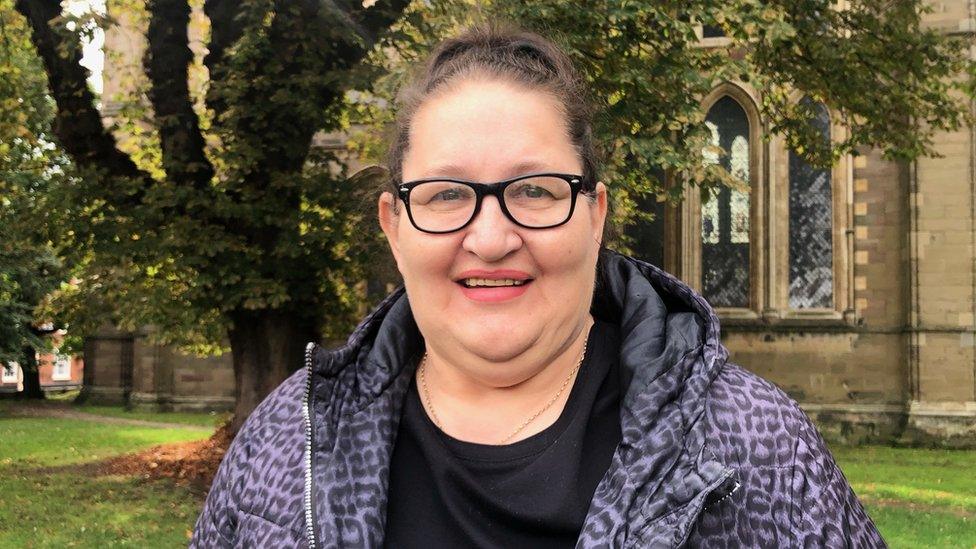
201	419
42	506
198	419
917	497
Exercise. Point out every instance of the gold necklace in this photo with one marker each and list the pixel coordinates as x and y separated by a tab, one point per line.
437	422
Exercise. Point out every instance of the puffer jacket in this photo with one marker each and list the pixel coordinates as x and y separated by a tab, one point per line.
711	455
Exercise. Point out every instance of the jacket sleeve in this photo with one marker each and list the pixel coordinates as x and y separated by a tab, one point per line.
824	511
217	523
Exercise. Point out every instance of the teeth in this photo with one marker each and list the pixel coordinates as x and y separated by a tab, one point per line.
476	282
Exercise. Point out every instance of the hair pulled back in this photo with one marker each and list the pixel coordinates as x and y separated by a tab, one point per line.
508	53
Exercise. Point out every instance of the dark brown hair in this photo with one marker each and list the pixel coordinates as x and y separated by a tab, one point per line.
505	52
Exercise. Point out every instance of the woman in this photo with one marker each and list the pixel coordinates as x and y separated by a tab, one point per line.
525	389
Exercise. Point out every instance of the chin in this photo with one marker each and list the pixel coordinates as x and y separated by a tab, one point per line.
496	345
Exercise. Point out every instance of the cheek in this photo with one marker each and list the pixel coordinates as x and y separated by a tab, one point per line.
426	259
567	258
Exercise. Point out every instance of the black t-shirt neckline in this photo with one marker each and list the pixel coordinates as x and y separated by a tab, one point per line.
535	492
529	446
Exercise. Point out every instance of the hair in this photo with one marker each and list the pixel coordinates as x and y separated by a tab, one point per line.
505	52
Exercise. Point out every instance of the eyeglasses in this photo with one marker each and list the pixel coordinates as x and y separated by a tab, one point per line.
537	201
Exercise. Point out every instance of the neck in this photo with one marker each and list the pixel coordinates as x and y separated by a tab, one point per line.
486	409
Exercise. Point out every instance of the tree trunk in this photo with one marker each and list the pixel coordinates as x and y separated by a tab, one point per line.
32	376
267	347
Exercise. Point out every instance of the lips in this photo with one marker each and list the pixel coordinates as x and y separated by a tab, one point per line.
493	286
491	282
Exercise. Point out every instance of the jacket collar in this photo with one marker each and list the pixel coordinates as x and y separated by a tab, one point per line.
661	476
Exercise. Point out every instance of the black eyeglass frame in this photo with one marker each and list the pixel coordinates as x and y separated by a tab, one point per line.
577	184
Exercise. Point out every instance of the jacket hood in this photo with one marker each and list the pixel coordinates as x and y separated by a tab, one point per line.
661	475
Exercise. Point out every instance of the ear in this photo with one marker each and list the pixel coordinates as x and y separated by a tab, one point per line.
598	209
389	219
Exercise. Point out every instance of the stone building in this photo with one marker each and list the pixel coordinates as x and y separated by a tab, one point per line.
852	288
123	368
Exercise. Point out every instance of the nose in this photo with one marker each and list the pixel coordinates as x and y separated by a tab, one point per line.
491	235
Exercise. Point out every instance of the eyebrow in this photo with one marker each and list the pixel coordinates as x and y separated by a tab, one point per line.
458	172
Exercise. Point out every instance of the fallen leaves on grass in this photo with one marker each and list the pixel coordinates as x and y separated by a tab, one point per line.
191	464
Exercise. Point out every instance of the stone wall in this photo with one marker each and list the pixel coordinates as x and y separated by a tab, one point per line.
905	370
127	369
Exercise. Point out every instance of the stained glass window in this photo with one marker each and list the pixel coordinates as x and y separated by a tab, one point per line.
726	213
811	242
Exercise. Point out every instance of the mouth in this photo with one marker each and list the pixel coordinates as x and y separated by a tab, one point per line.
495	286
492	282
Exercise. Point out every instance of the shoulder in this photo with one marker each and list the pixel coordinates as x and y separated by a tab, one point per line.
274	421
753	423
259	482
273	434
280	408
789	486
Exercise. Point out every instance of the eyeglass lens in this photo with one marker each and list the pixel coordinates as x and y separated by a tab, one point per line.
539	202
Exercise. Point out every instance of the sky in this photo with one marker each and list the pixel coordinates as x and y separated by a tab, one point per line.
92	56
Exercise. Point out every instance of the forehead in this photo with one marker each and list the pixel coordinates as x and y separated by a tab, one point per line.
488	129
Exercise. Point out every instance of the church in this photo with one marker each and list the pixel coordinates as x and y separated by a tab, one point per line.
853	288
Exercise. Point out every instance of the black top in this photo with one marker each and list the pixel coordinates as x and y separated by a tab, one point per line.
533	493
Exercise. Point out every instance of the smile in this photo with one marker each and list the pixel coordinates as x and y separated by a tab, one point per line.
491	283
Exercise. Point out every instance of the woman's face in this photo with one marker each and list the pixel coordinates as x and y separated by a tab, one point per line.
485	131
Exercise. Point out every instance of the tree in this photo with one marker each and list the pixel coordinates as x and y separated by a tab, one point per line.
244	232
229	223
27	275
29	164
872	62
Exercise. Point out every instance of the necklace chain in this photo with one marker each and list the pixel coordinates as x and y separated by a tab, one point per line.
555	397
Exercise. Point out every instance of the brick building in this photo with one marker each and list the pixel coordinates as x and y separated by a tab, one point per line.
853	288
58	372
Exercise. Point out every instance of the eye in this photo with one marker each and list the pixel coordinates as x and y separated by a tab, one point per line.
532	191
448	195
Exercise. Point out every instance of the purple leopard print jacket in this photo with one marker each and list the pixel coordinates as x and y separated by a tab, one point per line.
711	456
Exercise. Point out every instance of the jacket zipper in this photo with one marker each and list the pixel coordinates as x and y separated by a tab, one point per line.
307	416
678	538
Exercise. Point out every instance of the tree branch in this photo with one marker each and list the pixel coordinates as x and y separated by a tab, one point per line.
77	124
314	40
225	29
167	59
366	23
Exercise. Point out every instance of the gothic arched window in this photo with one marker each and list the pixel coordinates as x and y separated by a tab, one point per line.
725	256
811	235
